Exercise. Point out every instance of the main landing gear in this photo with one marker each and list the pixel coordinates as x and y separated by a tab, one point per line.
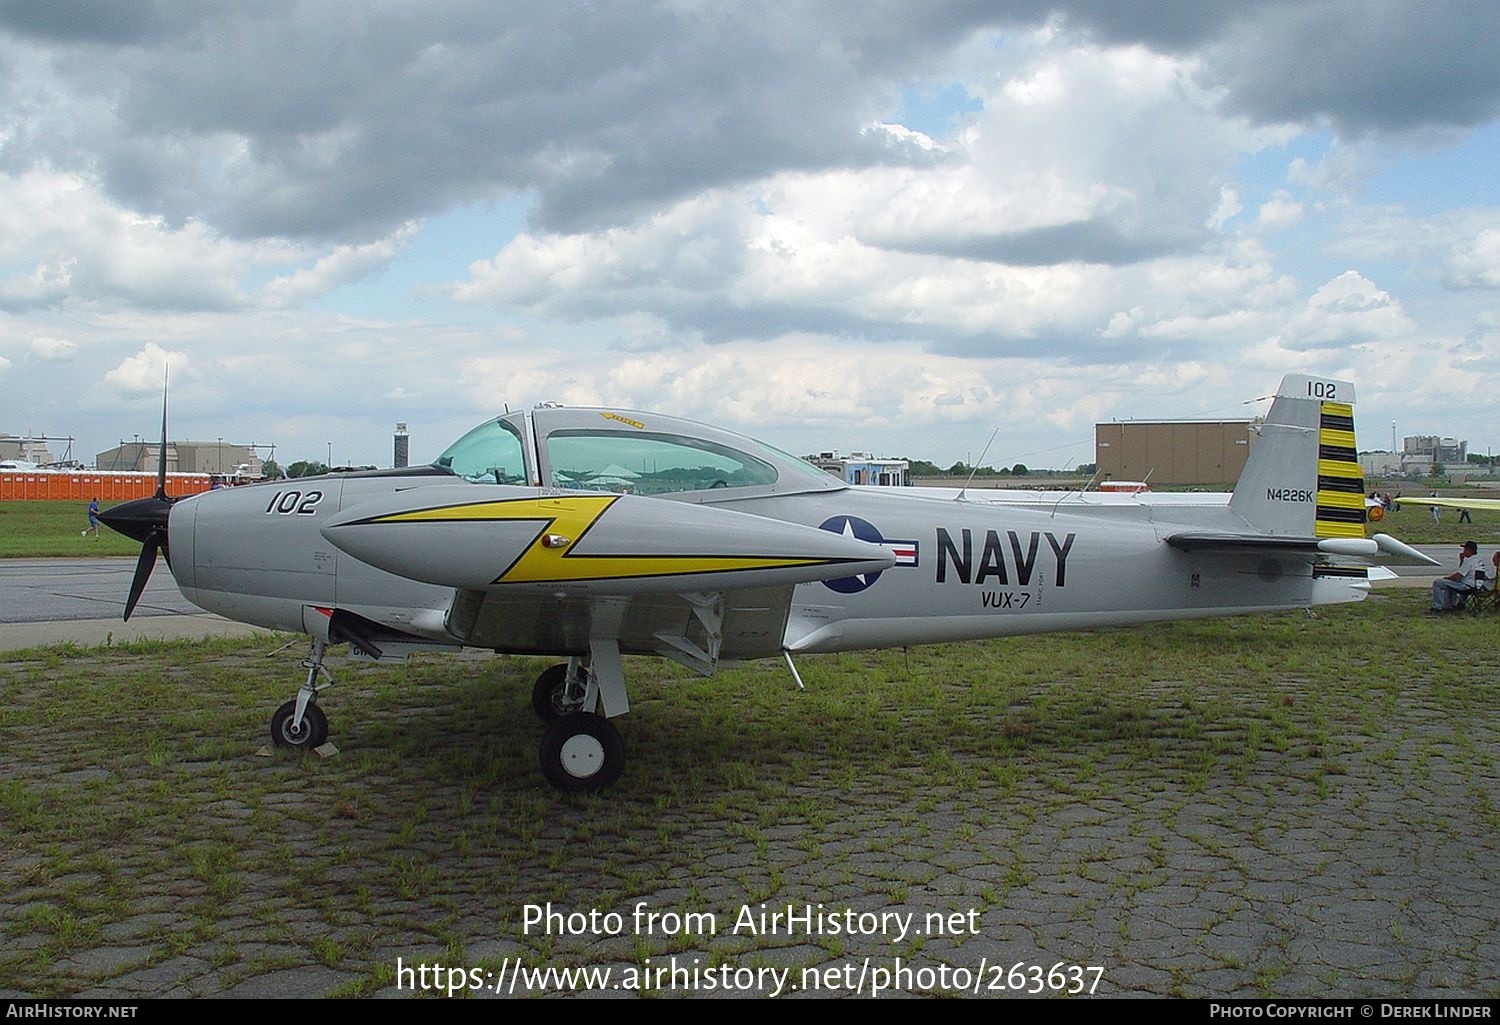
300	724
560	690
581	751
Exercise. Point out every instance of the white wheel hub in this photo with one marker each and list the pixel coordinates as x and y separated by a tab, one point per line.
582	756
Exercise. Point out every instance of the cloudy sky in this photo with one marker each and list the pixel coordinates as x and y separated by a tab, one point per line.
887	226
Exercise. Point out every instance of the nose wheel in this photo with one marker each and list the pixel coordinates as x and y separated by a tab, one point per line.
287	732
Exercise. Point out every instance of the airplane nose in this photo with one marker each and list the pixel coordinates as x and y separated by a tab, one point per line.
138	519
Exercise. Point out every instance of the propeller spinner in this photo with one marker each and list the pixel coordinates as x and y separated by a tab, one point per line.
145	520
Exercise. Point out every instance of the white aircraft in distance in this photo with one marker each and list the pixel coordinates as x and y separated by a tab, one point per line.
592	533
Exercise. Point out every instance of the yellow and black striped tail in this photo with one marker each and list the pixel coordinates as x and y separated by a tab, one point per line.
1302	478
1341	483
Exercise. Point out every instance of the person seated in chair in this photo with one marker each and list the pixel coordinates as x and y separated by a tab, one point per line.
1448	592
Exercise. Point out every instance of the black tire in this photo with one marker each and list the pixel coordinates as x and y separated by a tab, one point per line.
581	753
547	693
314	731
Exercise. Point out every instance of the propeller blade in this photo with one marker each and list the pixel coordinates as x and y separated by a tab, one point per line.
145	520
143	568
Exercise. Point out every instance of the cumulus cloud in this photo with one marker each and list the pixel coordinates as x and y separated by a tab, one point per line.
1475	263
1280	211
1053	170
344	265
146	371
73	244
1349	310
53	350
1228	208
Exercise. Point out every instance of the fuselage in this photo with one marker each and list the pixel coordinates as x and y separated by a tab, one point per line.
963	569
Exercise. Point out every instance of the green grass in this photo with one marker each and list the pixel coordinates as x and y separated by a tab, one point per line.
1060	784
37	529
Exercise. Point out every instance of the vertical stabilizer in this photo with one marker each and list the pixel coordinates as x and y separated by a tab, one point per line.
1303	477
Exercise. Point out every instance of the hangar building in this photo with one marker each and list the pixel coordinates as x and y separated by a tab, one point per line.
1208	452
182	456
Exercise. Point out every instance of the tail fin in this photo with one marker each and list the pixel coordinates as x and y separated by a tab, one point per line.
1303	477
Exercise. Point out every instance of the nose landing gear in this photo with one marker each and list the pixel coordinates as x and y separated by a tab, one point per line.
300	724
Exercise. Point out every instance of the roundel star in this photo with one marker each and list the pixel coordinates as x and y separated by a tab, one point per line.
863	530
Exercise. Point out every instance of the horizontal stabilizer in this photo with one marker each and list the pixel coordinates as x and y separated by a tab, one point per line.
1381	547
1242	544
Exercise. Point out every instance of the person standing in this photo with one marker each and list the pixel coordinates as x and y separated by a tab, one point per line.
1448	592
93	519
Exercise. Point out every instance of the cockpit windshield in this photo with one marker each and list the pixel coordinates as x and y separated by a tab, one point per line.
649	463
489	454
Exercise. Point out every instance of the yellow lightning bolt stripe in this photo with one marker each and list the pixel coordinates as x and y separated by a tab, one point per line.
572	517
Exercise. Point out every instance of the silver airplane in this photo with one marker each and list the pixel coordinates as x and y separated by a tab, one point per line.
590	534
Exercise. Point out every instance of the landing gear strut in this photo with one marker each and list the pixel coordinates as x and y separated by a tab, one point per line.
581	751
300	724
560	690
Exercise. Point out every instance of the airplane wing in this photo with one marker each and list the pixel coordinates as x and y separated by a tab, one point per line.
1381	547
1472	504
558	572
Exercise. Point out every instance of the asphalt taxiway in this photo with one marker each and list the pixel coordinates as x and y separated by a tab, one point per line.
80	601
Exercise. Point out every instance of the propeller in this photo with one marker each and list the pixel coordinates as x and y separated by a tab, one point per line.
145	520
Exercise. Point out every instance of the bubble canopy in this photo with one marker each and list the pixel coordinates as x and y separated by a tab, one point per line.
627	453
